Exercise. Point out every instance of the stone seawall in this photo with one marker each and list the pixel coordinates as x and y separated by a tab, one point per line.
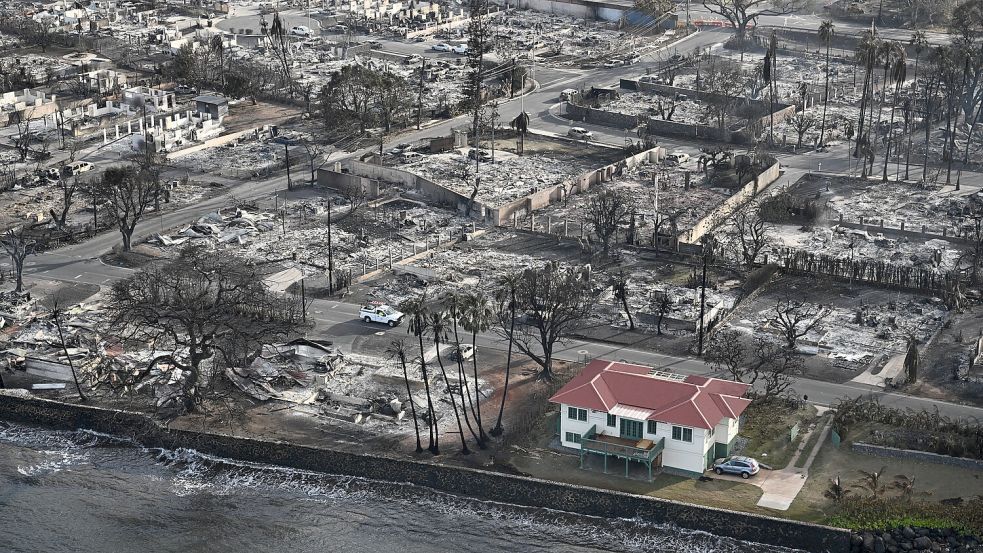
484	485
915	455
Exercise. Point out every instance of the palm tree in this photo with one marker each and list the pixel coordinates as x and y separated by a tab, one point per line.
477	316
416	310
836	490
397	349
770	74
826	32
887	53
952	81
872	481
438	329
919	43
521	126
505	295
899	73
453	302
866	56
942	59
906	486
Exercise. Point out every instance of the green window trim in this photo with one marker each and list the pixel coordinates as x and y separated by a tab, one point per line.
652	427
573	437
631	429
577	414
681	434
612	420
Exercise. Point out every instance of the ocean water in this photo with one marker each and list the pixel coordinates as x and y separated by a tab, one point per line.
88	492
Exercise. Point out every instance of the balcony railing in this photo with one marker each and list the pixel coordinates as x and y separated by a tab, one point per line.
616	446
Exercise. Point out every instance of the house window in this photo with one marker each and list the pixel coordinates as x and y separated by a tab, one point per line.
652	427
571	437
612	420
576	414
682	434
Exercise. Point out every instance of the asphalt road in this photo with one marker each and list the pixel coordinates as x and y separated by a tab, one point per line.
338	321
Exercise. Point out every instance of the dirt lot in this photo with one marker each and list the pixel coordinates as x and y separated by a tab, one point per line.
943	481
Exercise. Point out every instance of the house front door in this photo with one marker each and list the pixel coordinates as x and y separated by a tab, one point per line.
631	430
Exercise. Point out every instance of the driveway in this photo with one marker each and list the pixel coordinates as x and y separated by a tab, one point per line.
780	487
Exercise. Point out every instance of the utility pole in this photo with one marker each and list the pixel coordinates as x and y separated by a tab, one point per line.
303	299
419	99
286	153
494	117
512	81
330	256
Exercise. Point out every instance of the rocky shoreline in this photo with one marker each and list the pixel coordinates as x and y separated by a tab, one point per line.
914	539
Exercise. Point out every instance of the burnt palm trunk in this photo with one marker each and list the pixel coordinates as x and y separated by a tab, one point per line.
890	132
822	127
409	395
457	416
497	430
434	445
465	392
477	389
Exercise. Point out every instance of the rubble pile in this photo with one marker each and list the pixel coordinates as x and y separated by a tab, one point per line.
898	203
647	287
353	388
641	104
838	119
509	178
245	156
676	200
847	243
34	67
560	40
856	337
793	70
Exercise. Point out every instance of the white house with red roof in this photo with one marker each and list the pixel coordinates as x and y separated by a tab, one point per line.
657	418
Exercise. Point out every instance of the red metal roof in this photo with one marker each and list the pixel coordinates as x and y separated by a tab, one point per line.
695	401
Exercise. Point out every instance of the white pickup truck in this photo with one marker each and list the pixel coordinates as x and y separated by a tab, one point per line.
380	314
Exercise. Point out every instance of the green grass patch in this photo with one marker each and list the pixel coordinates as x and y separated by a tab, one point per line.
766	427
887	513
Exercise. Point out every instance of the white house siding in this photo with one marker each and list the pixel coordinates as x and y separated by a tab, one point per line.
727	430
567	424
687	456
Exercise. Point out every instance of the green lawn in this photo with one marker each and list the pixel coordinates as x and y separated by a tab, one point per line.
766	427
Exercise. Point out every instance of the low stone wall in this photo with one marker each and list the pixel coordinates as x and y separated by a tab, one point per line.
731	204
903	233
438	193
601	117
914	455
344	182
484	485
659	127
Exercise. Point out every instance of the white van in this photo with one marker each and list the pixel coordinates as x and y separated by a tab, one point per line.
568	94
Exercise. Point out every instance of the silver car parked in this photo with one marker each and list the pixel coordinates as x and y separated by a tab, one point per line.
745	466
